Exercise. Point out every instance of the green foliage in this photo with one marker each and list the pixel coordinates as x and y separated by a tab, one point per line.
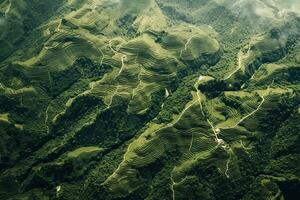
74	75
213	88
61	81
175	103
83	68
160	180
90	69
287	139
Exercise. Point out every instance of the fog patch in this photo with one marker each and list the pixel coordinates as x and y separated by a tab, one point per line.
272	9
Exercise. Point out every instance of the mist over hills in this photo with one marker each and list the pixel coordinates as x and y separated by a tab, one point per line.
149	99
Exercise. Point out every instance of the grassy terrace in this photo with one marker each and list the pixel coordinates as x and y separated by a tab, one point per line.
149	99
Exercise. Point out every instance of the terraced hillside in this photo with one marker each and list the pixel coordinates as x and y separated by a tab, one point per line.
149	99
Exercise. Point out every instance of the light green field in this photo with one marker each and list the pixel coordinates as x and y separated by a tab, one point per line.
149	99
83	150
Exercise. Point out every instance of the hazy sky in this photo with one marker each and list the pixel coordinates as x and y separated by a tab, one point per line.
274	9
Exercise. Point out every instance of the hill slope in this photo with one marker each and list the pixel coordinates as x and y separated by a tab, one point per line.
149	99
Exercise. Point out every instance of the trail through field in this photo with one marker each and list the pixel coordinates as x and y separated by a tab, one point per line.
112	96
191	143
102	58
227	168
123	56
56	45
250	114
241	56
111	48
8	9
173	184
215	130
46	118
59	25
186	45
122	61
167	93
171	124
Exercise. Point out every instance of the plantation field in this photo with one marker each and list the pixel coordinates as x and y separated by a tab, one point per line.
149	99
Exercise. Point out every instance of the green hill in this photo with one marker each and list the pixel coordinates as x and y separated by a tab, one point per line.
149	99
